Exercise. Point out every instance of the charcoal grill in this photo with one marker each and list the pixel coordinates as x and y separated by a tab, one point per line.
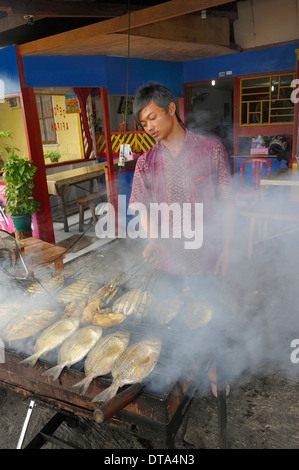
157	411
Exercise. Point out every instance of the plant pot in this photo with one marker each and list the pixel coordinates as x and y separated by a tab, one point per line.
22	222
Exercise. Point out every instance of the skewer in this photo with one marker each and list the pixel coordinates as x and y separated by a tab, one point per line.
25	425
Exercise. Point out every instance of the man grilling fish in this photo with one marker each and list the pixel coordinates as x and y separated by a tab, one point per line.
180	171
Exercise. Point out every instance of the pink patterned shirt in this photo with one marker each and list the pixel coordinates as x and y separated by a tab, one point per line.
199	174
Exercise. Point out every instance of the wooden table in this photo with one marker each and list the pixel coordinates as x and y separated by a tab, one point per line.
284	177
59	183
37	253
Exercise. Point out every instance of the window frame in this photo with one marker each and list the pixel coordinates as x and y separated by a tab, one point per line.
46	120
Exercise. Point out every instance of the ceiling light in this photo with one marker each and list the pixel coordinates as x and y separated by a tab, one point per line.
203	14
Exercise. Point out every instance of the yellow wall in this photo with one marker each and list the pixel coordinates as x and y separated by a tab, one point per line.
68	132
11	119
67	126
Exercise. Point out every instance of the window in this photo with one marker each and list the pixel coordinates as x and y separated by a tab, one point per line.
266	100
46	119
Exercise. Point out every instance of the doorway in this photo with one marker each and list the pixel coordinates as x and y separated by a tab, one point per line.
210	110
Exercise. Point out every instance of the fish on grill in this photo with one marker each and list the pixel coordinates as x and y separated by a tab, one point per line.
167	309
28	324
48	286
95	314
75	348
135	301
197	314
52	337
74	309
8	312
79	290
101	359
132	366
108	292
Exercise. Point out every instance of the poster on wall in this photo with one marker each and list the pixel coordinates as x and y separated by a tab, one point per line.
72	104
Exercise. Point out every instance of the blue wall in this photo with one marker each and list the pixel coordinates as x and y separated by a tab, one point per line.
9	75
74	71
142	71
96	71
270	59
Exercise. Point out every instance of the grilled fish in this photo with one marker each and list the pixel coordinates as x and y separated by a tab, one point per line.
197	314
135	301
28	324
166	310
133	365
50	286
95	314
78	290
52	337
107	292
75	348
74	309
8	312
101	359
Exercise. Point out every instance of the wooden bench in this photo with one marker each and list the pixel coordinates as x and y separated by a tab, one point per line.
88	201
37	253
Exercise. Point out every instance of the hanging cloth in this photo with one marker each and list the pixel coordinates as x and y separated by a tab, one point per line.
83	94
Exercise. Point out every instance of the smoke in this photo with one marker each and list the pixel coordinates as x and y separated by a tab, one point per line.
254	307
255	311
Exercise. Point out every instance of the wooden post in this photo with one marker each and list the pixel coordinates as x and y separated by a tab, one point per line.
35	149
111	174
182	110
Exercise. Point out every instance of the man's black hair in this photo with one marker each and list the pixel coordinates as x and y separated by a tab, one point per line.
157	93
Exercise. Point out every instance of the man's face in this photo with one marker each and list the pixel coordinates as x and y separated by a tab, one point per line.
156	122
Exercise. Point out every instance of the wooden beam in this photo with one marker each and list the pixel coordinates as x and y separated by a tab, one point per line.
164	11
56	9
188	28
142	48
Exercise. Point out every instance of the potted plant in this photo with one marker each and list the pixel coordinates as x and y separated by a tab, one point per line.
5	148
126	110
18	174
97	123
53	155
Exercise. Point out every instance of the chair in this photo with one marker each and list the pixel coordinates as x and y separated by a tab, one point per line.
259	164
